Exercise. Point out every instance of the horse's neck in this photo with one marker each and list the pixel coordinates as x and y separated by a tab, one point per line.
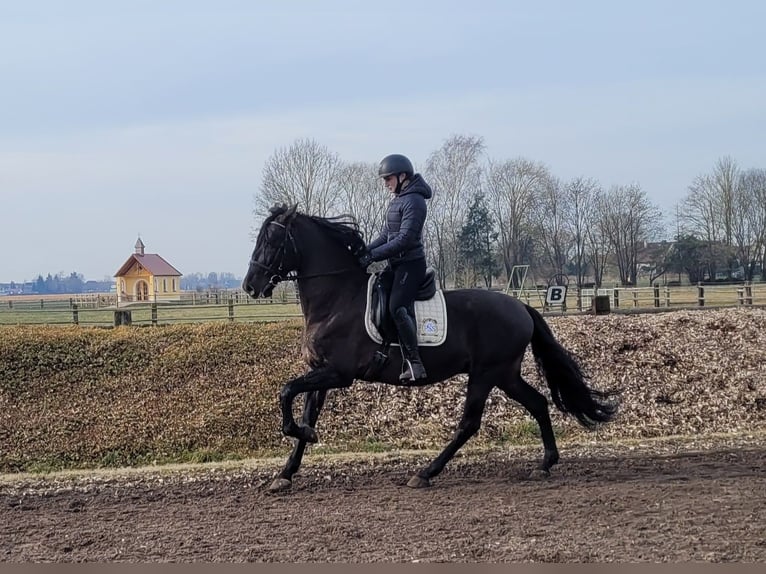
323	297
333	278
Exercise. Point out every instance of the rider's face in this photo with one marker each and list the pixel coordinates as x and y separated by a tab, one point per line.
390	182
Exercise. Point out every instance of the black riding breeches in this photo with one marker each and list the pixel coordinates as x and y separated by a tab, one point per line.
407	278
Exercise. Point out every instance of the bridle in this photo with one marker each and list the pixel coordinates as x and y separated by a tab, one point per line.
278	275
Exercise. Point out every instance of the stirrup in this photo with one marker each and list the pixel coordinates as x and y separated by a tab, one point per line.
409	373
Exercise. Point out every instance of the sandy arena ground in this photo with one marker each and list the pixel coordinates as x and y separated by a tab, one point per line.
666	500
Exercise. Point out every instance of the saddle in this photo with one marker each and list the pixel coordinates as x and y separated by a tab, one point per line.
430	310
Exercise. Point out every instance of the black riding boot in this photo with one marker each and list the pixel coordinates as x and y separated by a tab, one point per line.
408	338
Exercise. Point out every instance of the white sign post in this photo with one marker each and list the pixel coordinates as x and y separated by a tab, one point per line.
556	295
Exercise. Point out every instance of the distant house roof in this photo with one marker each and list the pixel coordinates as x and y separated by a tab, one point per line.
152	262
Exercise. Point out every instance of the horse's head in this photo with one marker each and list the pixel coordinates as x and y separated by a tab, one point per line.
274	255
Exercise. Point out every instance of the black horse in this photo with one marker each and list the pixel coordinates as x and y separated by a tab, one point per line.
487	338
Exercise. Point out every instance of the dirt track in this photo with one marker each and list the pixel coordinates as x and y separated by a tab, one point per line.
661	501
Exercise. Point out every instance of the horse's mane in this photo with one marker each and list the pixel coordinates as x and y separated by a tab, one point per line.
342	228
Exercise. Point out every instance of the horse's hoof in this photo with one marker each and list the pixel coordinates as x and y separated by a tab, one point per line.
280	485
539	474
418	482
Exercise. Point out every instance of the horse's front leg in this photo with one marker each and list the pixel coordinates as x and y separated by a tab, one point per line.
321	379
311	409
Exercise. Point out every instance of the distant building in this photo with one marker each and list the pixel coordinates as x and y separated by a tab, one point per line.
92	286
147	277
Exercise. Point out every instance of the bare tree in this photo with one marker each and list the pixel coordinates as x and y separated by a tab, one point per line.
362	195
305	173
512	189
708	209
725	178
629	220
454	173
749	220
553	237
597	237
580	197
699	210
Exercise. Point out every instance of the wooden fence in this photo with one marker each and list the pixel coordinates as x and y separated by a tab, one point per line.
658	297
235	305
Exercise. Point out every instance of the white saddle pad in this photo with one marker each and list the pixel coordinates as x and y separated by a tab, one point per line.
430	318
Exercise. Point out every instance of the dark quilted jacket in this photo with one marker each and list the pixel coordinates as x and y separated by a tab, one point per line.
401	238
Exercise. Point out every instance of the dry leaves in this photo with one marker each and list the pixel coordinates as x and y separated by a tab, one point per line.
73	397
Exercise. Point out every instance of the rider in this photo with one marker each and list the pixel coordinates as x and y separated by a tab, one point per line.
401	243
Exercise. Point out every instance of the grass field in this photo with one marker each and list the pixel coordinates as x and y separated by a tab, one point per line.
58	309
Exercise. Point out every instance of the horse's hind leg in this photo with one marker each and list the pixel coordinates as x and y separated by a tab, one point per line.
311	409
476	397
535	402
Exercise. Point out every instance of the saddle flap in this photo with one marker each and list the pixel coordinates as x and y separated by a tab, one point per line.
430	313
379	300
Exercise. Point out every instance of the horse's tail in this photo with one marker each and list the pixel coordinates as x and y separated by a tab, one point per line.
561	370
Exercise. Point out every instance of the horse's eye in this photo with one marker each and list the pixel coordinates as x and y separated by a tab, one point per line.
274	237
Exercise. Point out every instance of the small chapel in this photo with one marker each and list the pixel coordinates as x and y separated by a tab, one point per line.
147	277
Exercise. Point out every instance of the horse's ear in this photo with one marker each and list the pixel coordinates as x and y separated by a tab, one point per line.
291	211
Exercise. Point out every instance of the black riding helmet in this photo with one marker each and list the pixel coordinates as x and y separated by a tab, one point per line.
395	164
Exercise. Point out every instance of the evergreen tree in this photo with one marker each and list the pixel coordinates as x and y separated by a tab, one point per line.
477	241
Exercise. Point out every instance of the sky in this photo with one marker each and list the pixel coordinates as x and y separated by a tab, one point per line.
155	118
